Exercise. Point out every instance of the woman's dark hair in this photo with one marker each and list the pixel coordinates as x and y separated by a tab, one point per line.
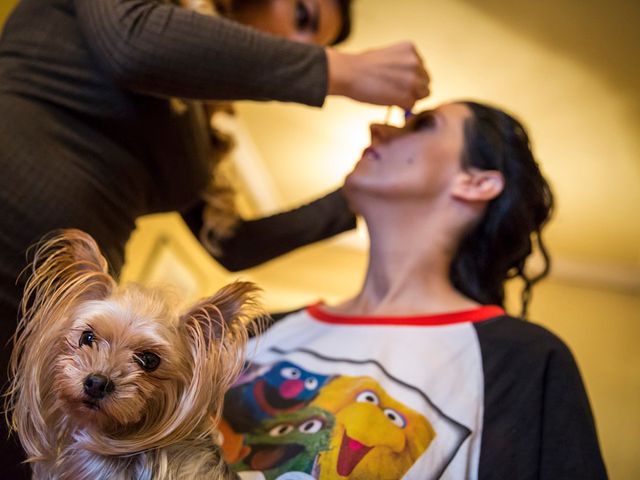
345	29
496	249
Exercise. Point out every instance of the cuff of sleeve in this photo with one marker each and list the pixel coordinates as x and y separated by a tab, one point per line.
312	84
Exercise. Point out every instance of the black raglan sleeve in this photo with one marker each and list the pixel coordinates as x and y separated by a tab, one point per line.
569	444
537	421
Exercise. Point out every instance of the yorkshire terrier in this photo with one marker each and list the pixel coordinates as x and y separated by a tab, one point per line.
111	382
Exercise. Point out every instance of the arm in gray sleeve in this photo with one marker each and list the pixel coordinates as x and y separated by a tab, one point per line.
257	241
159	49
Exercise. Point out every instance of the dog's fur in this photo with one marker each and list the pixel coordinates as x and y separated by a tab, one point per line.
78	324
205	7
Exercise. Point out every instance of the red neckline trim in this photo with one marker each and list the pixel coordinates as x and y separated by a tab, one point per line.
474	315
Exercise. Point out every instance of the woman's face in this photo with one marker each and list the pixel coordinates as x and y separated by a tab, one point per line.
418	160
308	21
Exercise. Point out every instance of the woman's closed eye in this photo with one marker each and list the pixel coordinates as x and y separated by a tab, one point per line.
423	121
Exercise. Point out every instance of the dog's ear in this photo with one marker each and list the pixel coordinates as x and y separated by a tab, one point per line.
68	266
233	309
216	331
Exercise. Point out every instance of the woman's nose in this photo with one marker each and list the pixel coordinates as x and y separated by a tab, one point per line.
381	133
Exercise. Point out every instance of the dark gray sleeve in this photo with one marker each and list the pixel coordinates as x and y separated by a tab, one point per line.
257	241
155	48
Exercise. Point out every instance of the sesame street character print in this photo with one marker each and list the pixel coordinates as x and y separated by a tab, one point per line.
289	442
343	427
283	387
375	436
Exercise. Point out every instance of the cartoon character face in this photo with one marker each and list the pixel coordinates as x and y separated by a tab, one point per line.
285	387
286	384
375	436
288	443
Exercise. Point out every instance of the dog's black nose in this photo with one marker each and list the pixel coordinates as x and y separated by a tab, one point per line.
97	386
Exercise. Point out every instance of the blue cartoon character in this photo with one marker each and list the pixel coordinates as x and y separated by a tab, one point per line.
283	388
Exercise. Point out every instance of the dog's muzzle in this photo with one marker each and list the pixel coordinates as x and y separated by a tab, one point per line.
98	386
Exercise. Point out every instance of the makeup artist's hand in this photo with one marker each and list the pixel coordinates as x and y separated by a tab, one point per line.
393	75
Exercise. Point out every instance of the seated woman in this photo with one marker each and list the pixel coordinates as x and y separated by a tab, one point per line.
422	375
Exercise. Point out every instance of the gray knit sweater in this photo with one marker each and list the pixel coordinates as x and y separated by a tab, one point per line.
88	137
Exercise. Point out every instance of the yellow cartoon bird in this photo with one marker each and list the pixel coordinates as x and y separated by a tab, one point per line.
375	436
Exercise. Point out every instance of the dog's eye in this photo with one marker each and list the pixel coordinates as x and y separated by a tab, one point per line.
149	361
87	338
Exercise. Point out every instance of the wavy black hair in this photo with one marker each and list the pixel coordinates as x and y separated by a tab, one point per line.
497	247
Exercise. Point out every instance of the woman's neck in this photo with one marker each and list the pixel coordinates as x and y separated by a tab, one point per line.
408	270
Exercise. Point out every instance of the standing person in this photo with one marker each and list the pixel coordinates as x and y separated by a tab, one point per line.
422	374
91	136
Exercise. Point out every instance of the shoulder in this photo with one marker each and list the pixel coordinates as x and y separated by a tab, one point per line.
537	419
507	330
272	319
276	318
518	339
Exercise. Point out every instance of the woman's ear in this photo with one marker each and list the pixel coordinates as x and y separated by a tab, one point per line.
474	185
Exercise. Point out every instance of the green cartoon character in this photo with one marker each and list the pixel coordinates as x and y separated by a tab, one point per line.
289	442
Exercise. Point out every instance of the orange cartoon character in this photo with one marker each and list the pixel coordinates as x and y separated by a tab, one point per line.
375	436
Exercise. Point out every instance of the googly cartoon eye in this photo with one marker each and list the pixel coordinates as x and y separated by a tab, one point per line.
396	418
291	373
311	426
311	383
280	430
368	397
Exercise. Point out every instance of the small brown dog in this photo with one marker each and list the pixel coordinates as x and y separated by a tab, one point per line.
111	382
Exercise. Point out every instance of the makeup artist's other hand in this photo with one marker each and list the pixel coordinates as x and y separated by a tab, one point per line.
393	75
